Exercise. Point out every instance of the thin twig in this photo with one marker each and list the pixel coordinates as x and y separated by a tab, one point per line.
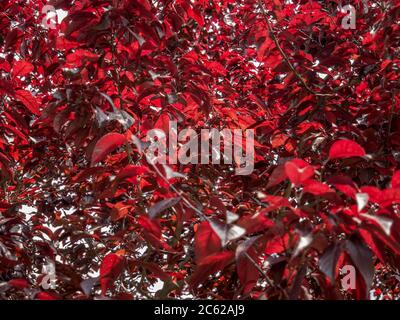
285	57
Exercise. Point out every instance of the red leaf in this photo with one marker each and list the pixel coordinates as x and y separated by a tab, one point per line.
345	149
131	171
298	171
21	68
279	140
276	201
374	193
277	245
19	283
255	223
119	211
12	37
196	15
79	58
381	235
316	188
277	176
106	145
150	225
28	101
47	296
389	197
110	269
216	68
6	87
210	265
396	179
376	246
206	241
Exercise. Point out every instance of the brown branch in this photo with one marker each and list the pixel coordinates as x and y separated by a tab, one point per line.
285	57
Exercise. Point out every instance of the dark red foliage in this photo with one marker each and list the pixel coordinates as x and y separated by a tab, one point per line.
77	192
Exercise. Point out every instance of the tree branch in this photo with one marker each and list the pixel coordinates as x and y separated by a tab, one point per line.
286	58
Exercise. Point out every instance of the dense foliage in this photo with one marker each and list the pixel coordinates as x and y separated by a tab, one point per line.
76	190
